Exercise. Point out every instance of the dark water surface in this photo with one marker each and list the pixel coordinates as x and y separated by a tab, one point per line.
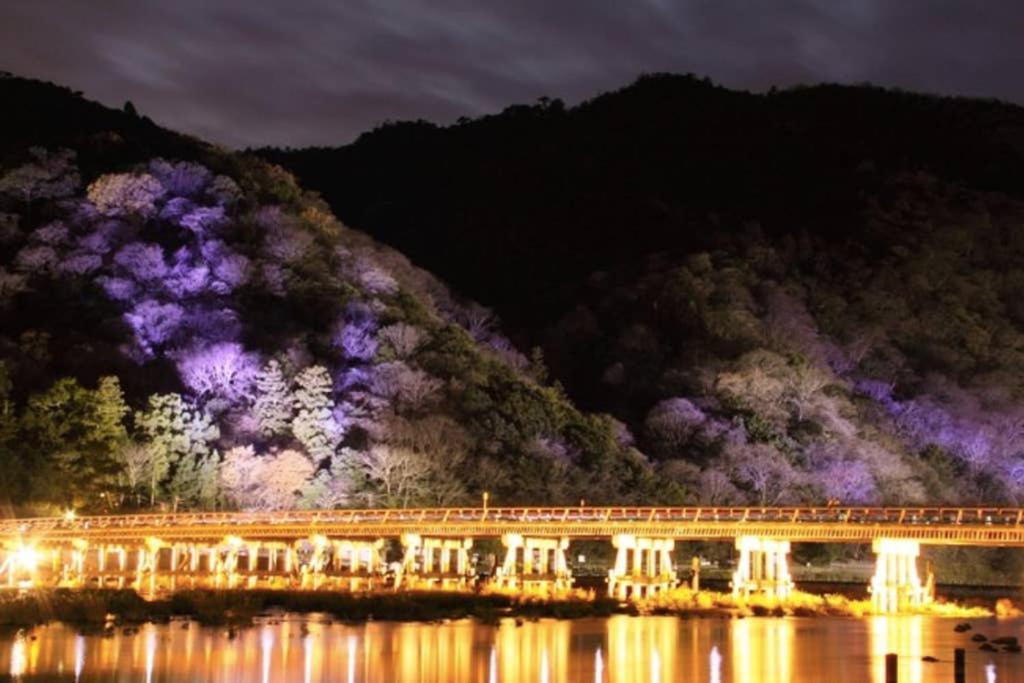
619	649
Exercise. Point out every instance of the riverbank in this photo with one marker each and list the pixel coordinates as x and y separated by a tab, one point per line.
98	610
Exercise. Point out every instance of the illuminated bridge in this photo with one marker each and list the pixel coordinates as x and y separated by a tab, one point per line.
346	549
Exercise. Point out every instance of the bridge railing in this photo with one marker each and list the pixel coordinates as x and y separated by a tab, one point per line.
572	515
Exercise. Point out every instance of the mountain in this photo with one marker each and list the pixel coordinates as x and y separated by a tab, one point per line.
184	326
803	295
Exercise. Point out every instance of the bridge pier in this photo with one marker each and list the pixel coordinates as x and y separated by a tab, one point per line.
896	586
350	565
432	563
534	565
762	568
20	566
651	572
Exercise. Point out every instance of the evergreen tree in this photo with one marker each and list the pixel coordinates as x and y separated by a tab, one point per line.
74	435
314	425
273	407
180	434
107	419
12	485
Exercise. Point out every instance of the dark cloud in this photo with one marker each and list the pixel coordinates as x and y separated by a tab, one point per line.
321	71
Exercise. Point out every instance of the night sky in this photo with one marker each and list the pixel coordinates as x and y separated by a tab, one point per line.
308	72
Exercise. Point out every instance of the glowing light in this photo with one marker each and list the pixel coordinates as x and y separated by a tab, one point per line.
70	515
27	558
492	669
150	651
990	673
716	665
655	666
79	656
266	646
351	659
598	666
307	665
19	659
544	666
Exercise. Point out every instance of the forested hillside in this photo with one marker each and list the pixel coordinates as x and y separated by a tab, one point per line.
182	326
804	295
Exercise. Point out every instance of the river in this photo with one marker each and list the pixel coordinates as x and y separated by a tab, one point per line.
619	649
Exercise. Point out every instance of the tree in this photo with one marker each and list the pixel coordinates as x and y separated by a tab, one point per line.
137	462
406	387
106	420
396	476
314	424
75	435
403	339
50	175
144	262
154	323
222	371
671	423
267	482
126	194
180	434
273	407
284	477
181	178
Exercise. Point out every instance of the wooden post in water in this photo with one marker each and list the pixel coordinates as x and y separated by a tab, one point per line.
892	671
959	666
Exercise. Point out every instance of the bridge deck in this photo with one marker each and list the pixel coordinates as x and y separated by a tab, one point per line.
936	526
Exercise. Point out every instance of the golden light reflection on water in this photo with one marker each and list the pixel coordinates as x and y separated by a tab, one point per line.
902	635
620	649
762	650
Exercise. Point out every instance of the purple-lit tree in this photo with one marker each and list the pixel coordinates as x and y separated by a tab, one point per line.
181	178
80	263
154	323
144	262
355	333
203	219
222	371
671	423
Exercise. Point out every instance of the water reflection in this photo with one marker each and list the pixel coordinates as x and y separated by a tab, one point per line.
902	635
715	665
19	660
616	650
762	650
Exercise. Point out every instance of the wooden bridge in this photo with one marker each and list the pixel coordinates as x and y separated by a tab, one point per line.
346	549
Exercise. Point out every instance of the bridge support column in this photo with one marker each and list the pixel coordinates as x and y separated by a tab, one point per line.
543	570
652	569
146	564
762	568
896	586
430	563
352	565
74	570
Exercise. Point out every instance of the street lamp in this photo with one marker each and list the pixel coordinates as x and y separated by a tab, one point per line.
486	496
